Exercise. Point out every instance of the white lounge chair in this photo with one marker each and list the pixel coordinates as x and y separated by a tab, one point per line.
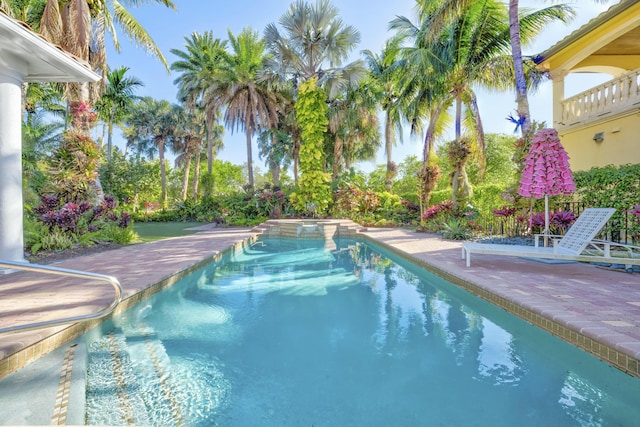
577	245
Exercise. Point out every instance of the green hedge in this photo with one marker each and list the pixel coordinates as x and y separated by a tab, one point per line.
609	186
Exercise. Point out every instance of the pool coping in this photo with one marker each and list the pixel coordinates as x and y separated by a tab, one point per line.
597	337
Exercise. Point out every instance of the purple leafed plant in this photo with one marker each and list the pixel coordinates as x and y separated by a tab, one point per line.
562	219
68	216
504	212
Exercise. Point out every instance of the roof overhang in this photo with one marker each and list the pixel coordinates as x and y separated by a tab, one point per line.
37	59
609	43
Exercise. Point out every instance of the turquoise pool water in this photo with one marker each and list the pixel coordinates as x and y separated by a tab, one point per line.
293	333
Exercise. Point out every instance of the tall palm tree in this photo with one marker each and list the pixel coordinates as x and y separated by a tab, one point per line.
116	101
473	49
248	104
522	100
315	44
80	27
198	66
153	127
447	10
353	126
187	143
276	146
39	138
385	73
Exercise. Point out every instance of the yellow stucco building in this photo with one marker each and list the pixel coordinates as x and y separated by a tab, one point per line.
600	126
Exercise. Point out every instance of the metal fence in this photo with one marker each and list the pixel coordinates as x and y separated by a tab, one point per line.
616	230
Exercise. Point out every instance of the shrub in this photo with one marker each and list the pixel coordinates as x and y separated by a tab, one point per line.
456	229
57	225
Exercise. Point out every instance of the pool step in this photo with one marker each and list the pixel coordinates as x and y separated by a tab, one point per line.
129	374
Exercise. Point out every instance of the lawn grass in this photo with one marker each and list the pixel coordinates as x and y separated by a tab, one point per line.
152	231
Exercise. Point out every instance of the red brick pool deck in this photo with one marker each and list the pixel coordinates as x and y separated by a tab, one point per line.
593	308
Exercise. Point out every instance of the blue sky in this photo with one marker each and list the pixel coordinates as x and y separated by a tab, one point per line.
371	17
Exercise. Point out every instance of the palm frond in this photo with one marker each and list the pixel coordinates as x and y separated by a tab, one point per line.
136	32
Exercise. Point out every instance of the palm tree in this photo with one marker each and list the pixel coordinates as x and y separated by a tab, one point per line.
45	97
248	104
447	10
385	72
314	44
276	146
80	27
198	66
116	101
188	145
39	138
522	100
472	49
353	126
153	126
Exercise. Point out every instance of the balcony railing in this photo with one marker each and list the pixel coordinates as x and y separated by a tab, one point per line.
615	96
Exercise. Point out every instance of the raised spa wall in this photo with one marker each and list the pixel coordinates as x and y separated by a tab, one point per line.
308	229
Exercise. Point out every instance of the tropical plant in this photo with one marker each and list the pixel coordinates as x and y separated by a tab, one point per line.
39	139
276	147
247	103
385	73
153	126
314	44
116	101
131	180
198	66
353	127
61	225
188	145
456	229
519	26
467	43
73	165
313	194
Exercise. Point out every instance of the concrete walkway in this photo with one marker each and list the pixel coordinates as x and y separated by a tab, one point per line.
595	309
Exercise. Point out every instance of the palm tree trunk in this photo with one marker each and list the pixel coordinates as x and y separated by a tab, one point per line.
482	161
460	186
185	178
521	83
109	136
458	124
209	150
163	175
275	165
347	157
388	147
249	156
426	174
337	157
196	176
434	116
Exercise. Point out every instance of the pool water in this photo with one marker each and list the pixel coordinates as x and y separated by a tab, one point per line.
291	332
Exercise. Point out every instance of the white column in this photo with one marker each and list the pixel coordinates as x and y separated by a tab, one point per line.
11	222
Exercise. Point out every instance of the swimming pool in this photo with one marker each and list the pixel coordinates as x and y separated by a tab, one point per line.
295	332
